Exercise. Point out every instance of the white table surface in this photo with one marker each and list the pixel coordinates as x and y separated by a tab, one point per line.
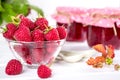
60	70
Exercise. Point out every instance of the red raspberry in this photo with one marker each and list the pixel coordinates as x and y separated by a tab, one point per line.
38	38
26	22
22	34
44	71
9	30
22	50
62	32
51	34
13	67
51	48
37	54
42	23
37	35
28	59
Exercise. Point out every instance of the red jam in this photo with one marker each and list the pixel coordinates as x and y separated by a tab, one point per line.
94	35
71	18
76	32
111	38
102	35
103	29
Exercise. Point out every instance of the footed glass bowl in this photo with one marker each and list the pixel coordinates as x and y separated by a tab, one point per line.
33	54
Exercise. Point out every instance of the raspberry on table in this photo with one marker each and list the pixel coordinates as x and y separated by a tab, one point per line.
44	71
13	67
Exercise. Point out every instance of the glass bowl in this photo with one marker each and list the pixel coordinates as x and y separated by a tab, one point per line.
33	54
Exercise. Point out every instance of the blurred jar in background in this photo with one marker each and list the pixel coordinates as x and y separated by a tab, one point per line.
62	20
71	17
97	34
95	25
76	31
102	28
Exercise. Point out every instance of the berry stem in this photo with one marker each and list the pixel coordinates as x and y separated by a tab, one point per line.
47	29
2	29
15	20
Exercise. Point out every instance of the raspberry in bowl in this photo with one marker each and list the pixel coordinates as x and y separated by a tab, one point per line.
34	42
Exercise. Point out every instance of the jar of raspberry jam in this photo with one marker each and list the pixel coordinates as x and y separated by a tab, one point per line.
76	31
102	27
73	23
62	20
103	32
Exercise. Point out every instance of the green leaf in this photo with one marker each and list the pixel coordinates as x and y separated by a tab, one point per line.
6	15
1	8
10	8
38	10
1	20
24	9
20	6
17	2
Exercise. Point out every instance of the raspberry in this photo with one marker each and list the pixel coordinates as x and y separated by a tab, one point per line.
42	23
37	54
9	30
51	34
22	50
13	67
23	34
26	22
37	35
44	71
62	32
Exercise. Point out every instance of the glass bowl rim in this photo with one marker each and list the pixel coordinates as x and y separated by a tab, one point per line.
9	40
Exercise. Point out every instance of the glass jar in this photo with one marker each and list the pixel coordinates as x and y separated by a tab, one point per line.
103	31
103	27
76	32
71	17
